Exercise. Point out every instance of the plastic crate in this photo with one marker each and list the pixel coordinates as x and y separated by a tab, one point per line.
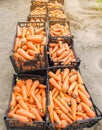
70	43
56	17
54	3
61	22
13	124
87	123
39	63
39	2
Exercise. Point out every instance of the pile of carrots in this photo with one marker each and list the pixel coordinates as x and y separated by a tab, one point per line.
56	14
39	10
29	42
69	100
54	4
28	102
58	29
34	19
61	53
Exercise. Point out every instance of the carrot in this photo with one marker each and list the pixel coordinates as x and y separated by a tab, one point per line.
23	105
39	30
64	54
12	111
56	118
65	117
62	101
65	85
56	94
84	99
65	73
21	52
13	101
53	91
43	93
37	102
61	106
20	82
35	112
41	86
75	92
31	30
20	118
28	83
60	51
82	88
17	89
52	75
31	100
44	104
58	111
62	125
34	86
50	109
72	86
36	38
17	94
78	118
24	47
51	100
19	33
78	100
68	60
88	110
36	91
73	78
60	44
18	98
24	92
18	57
25	113
31	46
80	81
79	108
62	94
54	83
83	115
73	108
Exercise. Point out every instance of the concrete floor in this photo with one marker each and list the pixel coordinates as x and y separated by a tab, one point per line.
86	25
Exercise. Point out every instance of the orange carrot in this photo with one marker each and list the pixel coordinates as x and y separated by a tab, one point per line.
16	43
88	110
54	83
52	75
20	118
44	104
28	83
72	86
31	46
18	98
83	115
84	99
73	108
51	100
56	118
64	54
23	105
82	88
24	92
18	57
12	111
75	92
56	94
60	51
42	86
65	73
62	94
24	47
17	89
24	54
78	118
19	82
73	78
65	117
62	125
53	91
65	85
19	33
51	112
31	30
13	101
24	29
25	113
80	81
58	111
61	106
39	30
35	112
36	38
37	102
79	108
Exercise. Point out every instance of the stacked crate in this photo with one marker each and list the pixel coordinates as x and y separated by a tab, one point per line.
48	84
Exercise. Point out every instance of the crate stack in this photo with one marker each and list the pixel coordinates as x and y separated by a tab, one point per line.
48	92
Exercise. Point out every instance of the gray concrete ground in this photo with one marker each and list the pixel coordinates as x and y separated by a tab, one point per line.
85	17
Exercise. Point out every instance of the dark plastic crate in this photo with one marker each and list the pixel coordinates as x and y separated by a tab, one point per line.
62	23
38	2
70	43
13	124
87	123
40	62
53	2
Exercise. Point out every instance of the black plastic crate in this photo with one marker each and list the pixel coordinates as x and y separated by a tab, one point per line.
56	17
54	2
13	124
40	61
87	123
34	7
70	43
61	22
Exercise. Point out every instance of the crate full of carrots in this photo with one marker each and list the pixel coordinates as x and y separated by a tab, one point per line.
70	104
27	106
29	48
61	53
